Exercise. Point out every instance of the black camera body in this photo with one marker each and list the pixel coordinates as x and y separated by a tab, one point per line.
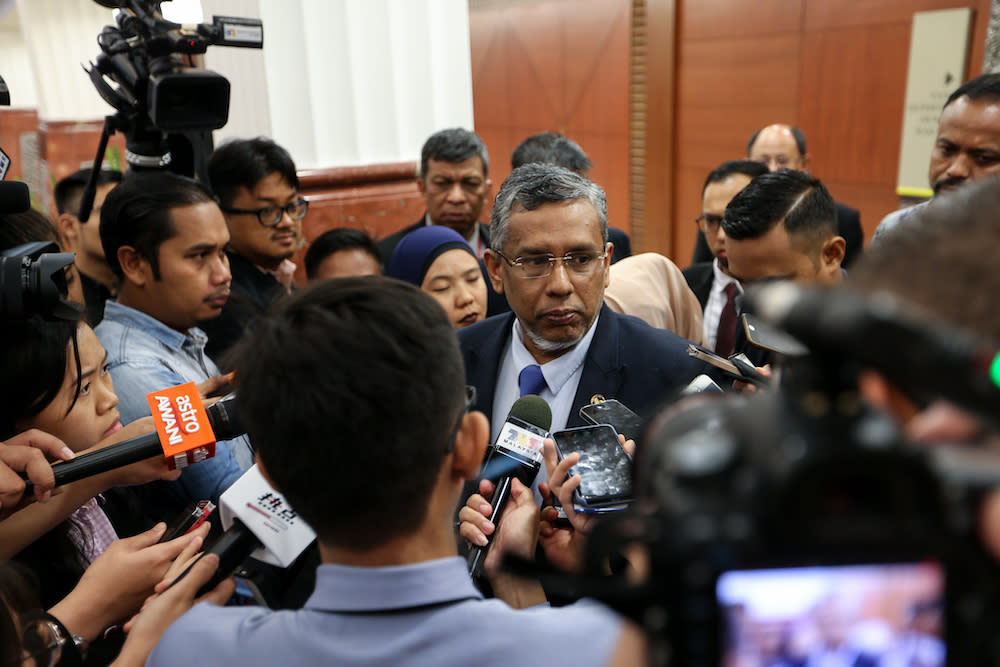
33	282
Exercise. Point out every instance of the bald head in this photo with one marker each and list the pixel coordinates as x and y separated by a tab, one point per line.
779	147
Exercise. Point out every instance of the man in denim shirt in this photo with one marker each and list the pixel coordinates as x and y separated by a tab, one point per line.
164	238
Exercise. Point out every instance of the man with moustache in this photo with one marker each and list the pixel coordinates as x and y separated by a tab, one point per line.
258	189
967	147
164	238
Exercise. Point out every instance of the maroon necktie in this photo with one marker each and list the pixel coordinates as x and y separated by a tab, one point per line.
725	335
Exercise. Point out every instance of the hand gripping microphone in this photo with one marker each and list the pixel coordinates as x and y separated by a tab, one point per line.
186	433
259	522
516	453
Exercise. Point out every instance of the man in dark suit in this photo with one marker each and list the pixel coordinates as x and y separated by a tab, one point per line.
784	147
549	256
554	148
453	180
710	281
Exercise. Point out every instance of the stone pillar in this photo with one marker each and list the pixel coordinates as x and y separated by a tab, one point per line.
991	55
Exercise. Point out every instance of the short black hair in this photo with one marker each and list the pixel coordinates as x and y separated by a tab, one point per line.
750	168
797	134
242	163
794	198
455	144
551	148
335	240
983	87
349	390
137	214
69	191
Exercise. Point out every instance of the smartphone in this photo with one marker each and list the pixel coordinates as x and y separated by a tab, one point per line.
605	468
613	412
770	338
193	516
743	371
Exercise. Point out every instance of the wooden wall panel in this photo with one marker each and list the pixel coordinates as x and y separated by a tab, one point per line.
556	65
716	19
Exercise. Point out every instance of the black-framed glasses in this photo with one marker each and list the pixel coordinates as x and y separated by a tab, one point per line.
581	262
709	222
269	216
470	402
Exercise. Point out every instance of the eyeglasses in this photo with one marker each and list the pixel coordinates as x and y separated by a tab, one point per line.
709	222
539	266
470	402
269	216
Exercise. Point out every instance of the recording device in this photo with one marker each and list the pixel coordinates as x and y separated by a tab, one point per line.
517	453
701	384
736	367
771	338
259	522
605	468
165	107
33	281
803	512
186	433
193	516
611	411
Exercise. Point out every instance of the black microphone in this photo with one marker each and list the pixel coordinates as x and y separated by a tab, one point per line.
517	453
14	197
221	418
880	331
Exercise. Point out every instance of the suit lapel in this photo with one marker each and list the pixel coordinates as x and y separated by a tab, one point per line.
484	363
602	368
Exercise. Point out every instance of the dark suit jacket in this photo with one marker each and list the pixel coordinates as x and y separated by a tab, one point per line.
848	226
251	292
387	245
700	278
628	360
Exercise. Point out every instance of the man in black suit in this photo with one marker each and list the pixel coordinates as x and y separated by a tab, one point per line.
453	180
710	281
784	147
554	148
549	256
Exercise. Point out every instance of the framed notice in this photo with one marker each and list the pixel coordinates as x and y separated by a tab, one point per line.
939	45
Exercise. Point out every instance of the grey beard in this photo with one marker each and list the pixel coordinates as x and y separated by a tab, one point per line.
546	345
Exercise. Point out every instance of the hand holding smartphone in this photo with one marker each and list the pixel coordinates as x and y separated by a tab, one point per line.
605	468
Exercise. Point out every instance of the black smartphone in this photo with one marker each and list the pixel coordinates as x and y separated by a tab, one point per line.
613	412
770	338
193	516
605	468
743	370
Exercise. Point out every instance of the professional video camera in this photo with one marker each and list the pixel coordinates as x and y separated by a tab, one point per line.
783	525
33	282
165	107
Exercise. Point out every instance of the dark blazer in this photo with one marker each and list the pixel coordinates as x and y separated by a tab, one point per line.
628	360
700	277
387	245
251	292
848	226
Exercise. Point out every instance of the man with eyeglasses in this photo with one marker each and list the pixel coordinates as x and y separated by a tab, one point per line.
258	189
710	281
550	257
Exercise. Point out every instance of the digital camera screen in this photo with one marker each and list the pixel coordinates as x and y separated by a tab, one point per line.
885	615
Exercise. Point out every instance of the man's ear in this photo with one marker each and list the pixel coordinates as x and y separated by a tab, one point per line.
69	231
135	267
470	444
492	262
832	255
421	186
805	161
609	250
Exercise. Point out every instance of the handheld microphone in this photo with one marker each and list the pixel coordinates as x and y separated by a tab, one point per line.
186	433
516	453
260	523
880	331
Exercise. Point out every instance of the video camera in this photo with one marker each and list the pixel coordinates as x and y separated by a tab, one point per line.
165	107
33	282
788	525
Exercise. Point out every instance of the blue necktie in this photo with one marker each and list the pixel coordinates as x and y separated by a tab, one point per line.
531	380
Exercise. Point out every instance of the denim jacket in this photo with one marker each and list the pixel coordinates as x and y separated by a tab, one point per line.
146	355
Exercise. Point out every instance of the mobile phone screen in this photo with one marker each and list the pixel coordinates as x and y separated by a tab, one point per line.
616	414
807	615
605	468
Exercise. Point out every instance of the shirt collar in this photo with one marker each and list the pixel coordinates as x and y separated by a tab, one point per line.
558	371
721	278
361	589
172	338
